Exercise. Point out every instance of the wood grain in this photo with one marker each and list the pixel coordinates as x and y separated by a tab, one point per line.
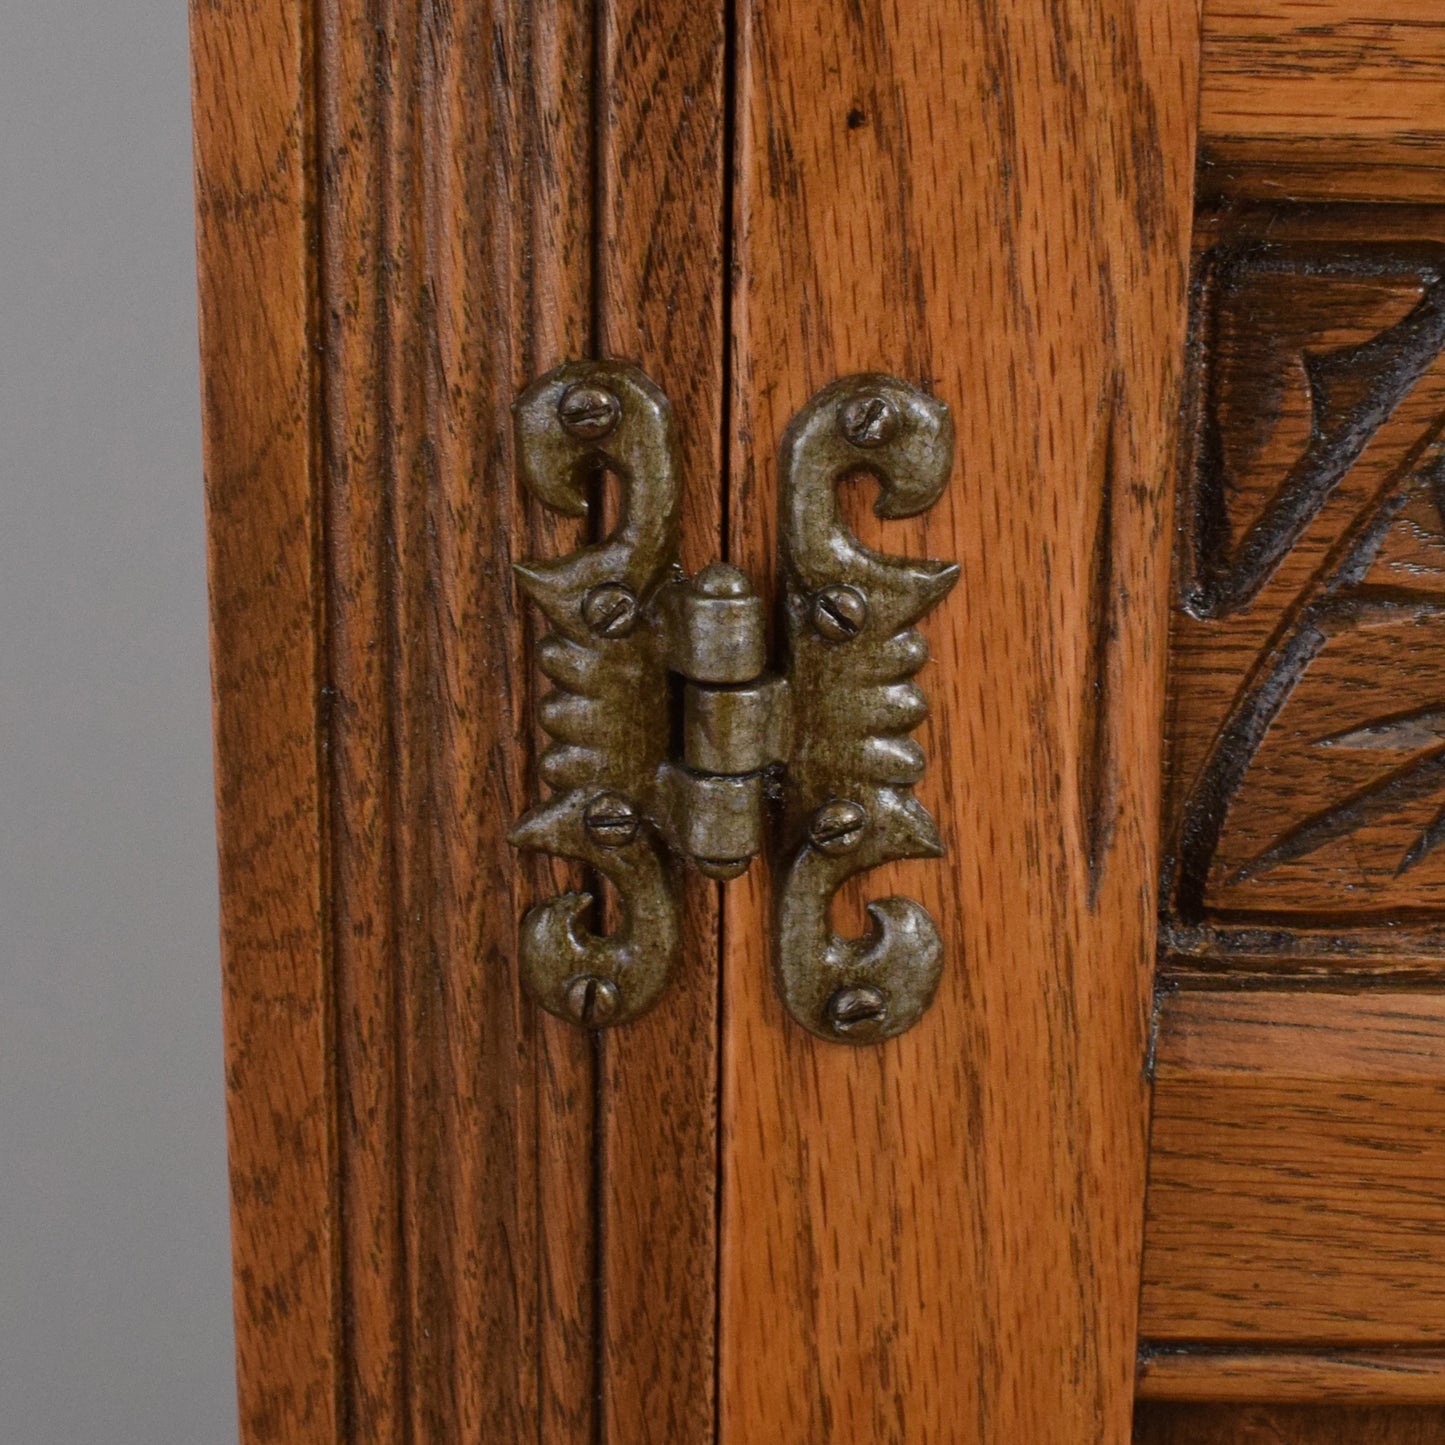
1305	677
1297	1170
1323	99
1286	1425
1283	1377
254	181
937	1239
396	234
438	306
660	303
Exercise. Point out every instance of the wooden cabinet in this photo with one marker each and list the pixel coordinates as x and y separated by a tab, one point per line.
1174	1127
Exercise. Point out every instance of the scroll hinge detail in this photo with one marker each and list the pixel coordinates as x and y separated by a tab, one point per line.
673	745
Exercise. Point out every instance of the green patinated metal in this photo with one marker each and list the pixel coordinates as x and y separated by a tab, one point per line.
852	652
824	747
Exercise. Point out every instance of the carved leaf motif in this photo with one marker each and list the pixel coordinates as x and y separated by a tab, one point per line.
1318	552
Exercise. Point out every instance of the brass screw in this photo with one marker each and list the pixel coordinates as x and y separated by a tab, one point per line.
856	1010
611	820
870	421
592	1001
839	613
610	610
589	411
837	826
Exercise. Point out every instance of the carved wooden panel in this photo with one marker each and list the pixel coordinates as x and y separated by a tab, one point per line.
1307	728
1295	1141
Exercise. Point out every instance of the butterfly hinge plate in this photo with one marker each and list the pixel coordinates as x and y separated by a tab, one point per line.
671	744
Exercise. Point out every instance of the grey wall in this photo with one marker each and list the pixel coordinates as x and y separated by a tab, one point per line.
114	1276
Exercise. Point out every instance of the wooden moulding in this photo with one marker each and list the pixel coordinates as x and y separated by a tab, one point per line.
1297	1168
1297	1196
1284	1377
406	212
1323	100
1336	1423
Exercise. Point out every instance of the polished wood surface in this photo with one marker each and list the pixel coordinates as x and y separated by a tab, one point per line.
501	1227
938	1239
261	418
1296	1151
410	1144
457	1219
1297	1170
466	1299
660	303
1323	99
1284	1376
1286	1425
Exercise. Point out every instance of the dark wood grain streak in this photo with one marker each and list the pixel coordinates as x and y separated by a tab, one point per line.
1286	1425
1098	783
937	1240
1293	1376
660	303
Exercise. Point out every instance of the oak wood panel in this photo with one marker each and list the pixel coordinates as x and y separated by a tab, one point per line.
432	290
253	184
407	195
938	1239
1297	1170
1323	99
1286	1425
1305	679
1282	1377
660	303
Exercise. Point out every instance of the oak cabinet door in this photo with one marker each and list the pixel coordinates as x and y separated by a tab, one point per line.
1291	1284
1181	282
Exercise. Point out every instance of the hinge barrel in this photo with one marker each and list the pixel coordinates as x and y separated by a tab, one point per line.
733	721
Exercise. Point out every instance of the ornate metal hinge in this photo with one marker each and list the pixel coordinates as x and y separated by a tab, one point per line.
641	654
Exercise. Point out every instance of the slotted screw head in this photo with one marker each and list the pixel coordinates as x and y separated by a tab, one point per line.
589	411
610	610
591	1001
840	612
869	421
611	820
837	826
856	1010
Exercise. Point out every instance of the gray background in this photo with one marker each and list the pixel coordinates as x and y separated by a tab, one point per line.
114	1277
